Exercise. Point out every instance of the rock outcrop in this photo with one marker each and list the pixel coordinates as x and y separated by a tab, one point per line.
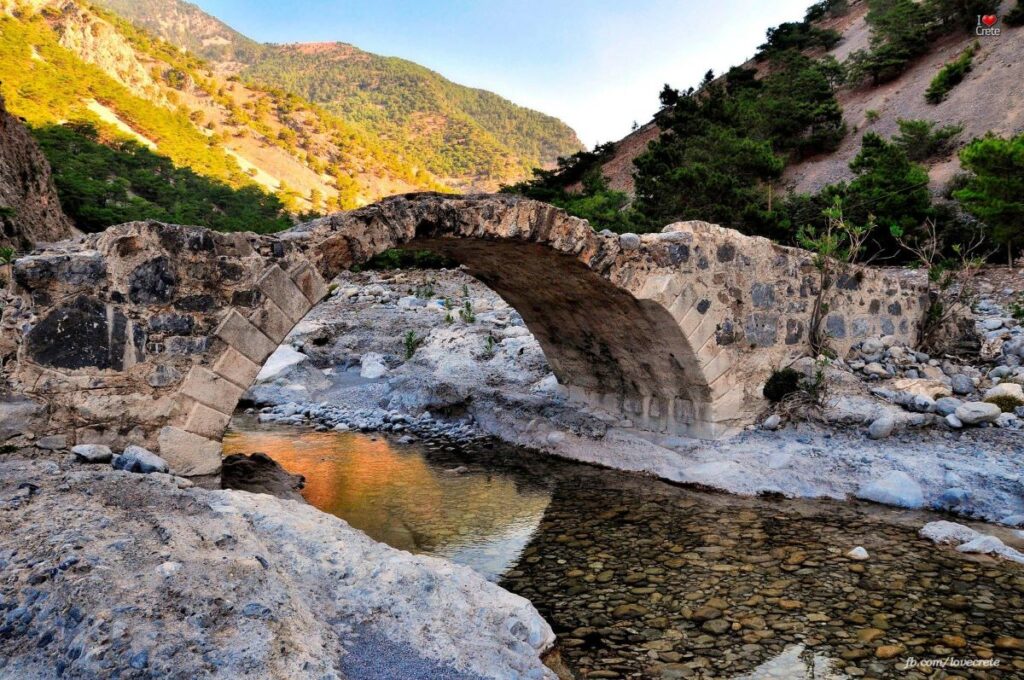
30	211
107	573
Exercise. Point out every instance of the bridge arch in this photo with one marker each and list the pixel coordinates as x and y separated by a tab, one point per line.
151	333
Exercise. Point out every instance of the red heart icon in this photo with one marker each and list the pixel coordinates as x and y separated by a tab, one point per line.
989	19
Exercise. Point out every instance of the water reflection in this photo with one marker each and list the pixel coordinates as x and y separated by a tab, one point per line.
396	494
796	662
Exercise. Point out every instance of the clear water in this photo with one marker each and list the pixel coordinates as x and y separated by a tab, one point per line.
402	495
643	579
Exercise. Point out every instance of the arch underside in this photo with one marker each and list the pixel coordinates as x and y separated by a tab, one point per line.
607	347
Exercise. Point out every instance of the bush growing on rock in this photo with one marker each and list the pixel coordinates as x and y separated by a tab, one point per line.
781	384
1005	402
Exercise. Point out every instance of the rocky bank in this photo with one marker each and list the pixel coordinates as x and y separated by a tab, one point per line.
107	573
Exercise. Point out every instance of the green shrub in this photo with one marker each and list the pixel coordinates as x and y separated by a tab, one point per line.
412	342
920	140
782	383
1006	403
950	75
872	116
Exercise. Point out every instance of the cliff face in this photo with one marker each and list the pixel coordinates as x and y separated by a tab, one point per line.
30	212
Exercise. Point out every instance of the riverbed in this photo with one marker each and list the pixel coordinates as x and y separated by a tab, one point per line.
644	579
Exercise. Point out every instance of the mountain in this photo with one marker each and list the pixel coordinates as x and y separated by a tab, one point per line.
67	61
468	138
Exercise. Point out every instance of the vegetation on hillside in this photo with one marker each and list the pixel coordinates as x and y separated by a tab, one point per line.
454	130
463	134
107	182
724	143
950	75
902	30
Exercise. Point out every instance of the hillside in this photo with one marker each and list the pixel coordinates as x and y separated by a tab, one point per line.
64	60
468	138
988	99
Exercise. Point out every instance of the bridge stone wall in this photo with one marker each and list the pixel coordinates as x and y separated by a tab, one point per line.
150	333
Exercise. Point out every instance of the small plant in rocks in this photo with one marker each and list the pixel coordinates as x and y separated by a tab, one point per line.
489	345
412	342
466	313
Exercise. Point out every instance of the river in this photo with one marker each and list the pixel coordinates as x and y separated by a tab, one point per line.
644	579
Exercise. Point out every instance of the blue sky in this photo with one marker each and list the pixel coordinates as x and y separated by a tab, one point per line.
596	64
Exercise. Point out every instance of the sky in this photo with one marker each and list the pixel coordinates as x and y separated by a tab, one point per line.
596	64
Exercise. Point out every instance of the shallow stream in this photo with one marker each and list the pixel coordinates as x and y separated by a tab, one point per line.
644	579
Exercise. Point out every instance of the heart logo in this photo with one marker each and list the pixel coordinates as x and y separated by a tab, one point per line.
989	19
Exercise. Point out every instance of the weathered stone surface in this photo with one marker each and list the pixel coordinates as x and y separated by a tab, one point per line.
79	334
189	454
976	412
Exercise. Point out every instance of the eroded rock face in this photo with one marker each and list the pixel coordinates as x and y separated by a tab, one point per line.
30	211
149	333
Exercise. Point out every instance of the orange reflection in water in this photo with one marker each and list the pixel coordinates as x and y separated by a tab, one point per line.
395	495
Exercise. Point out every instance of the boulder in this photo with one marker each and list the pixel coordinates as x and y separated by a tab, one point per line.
54	442
138	459
372	366
882	427
280	362
962	384
894	488
92	453
977	412
1006	389
947	405
772	422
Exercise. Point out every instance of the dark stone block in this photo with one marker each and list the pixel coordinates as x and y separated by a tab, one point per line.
152	282
703	305
702	263
200	241
860	328
874	307
195	303
835	326
172	324
726	333
245	298
726	252
762	329
186	344
847	282
277	249
794	331
78	335
763	295
887	326
895	309
678	253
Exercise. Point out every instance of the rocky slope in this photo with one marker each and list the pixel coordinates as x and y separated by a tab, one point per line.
106	573
470	139
30	211
988	99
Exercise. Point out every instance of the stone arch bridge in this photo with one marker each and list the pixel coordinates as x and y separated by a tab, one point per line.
150	333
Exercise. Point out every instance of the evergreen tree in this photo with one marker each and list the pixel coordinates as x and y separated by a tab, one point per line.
995	191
